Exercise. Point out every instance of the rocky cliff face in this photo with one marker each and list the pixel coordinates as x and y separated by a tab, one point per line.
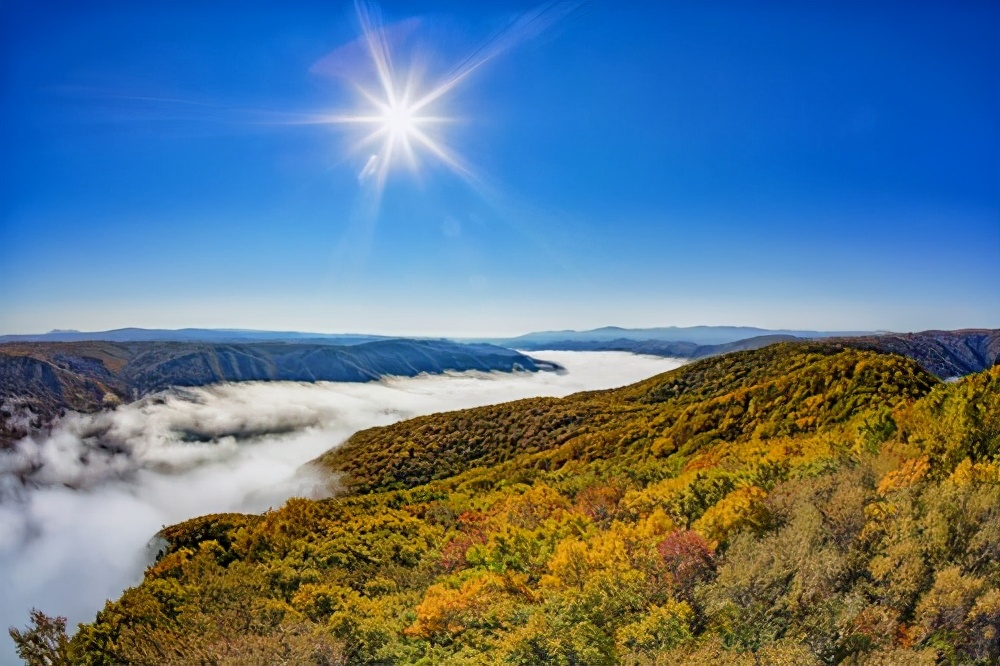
39	381
945	353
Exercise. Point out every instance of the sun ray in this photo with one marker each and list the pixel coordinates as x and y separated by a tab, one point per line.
378	47
444	155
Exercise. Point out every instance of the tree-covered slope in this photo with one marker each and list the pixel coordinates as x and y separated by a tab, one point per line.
801	504
781	390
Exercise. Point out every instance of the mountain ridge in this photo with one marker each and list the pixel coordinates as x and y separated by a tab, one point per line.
947	354
367	458
39	381
216	335
700	335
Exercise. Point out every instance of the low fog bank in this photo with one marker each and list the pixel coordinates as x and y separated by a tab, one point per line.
78	508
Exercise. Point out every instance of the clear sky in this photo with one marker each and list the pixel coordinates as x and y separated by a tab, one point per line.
779	164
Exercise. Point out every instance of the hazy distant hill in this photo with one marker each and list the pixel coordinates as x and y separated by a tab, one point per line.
217	335
50	377
698	335
676	349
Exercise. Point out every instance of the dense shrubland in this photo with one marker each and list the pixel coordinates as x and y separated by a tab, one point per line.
800	504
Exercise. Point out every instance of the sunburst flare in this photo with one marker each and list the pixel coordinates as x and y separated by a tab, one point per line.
401	115
397	113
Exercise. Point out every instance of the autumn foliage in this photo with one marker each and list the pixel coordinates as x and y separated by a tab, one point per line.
798	504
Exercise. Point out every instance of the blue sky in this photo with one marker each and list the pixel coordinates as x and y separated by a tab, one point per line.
784	164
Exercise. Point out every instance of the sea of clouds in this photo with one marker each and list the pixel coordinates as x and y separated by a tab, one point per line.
78	509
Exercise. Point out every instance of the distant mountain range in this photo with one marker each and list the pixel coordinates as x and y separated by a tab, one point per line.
674	349
43	375
698	335
40	380
216	335
945	353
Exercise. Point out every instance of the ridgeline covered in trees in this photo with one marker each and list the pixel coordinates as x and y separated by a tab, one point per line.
805	503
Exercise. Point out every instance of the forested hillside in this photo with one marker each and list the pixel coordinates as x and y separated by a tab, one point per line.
798	504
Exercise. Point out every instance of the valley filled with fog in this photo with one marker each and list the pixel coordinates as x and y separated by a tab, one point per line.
79	509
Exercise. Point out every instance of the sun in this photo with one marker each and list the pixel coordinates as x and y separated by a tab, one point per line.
400	130
399	120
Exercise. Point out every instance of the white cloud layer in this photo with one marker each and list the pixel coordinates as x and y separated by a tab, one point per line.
78	509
